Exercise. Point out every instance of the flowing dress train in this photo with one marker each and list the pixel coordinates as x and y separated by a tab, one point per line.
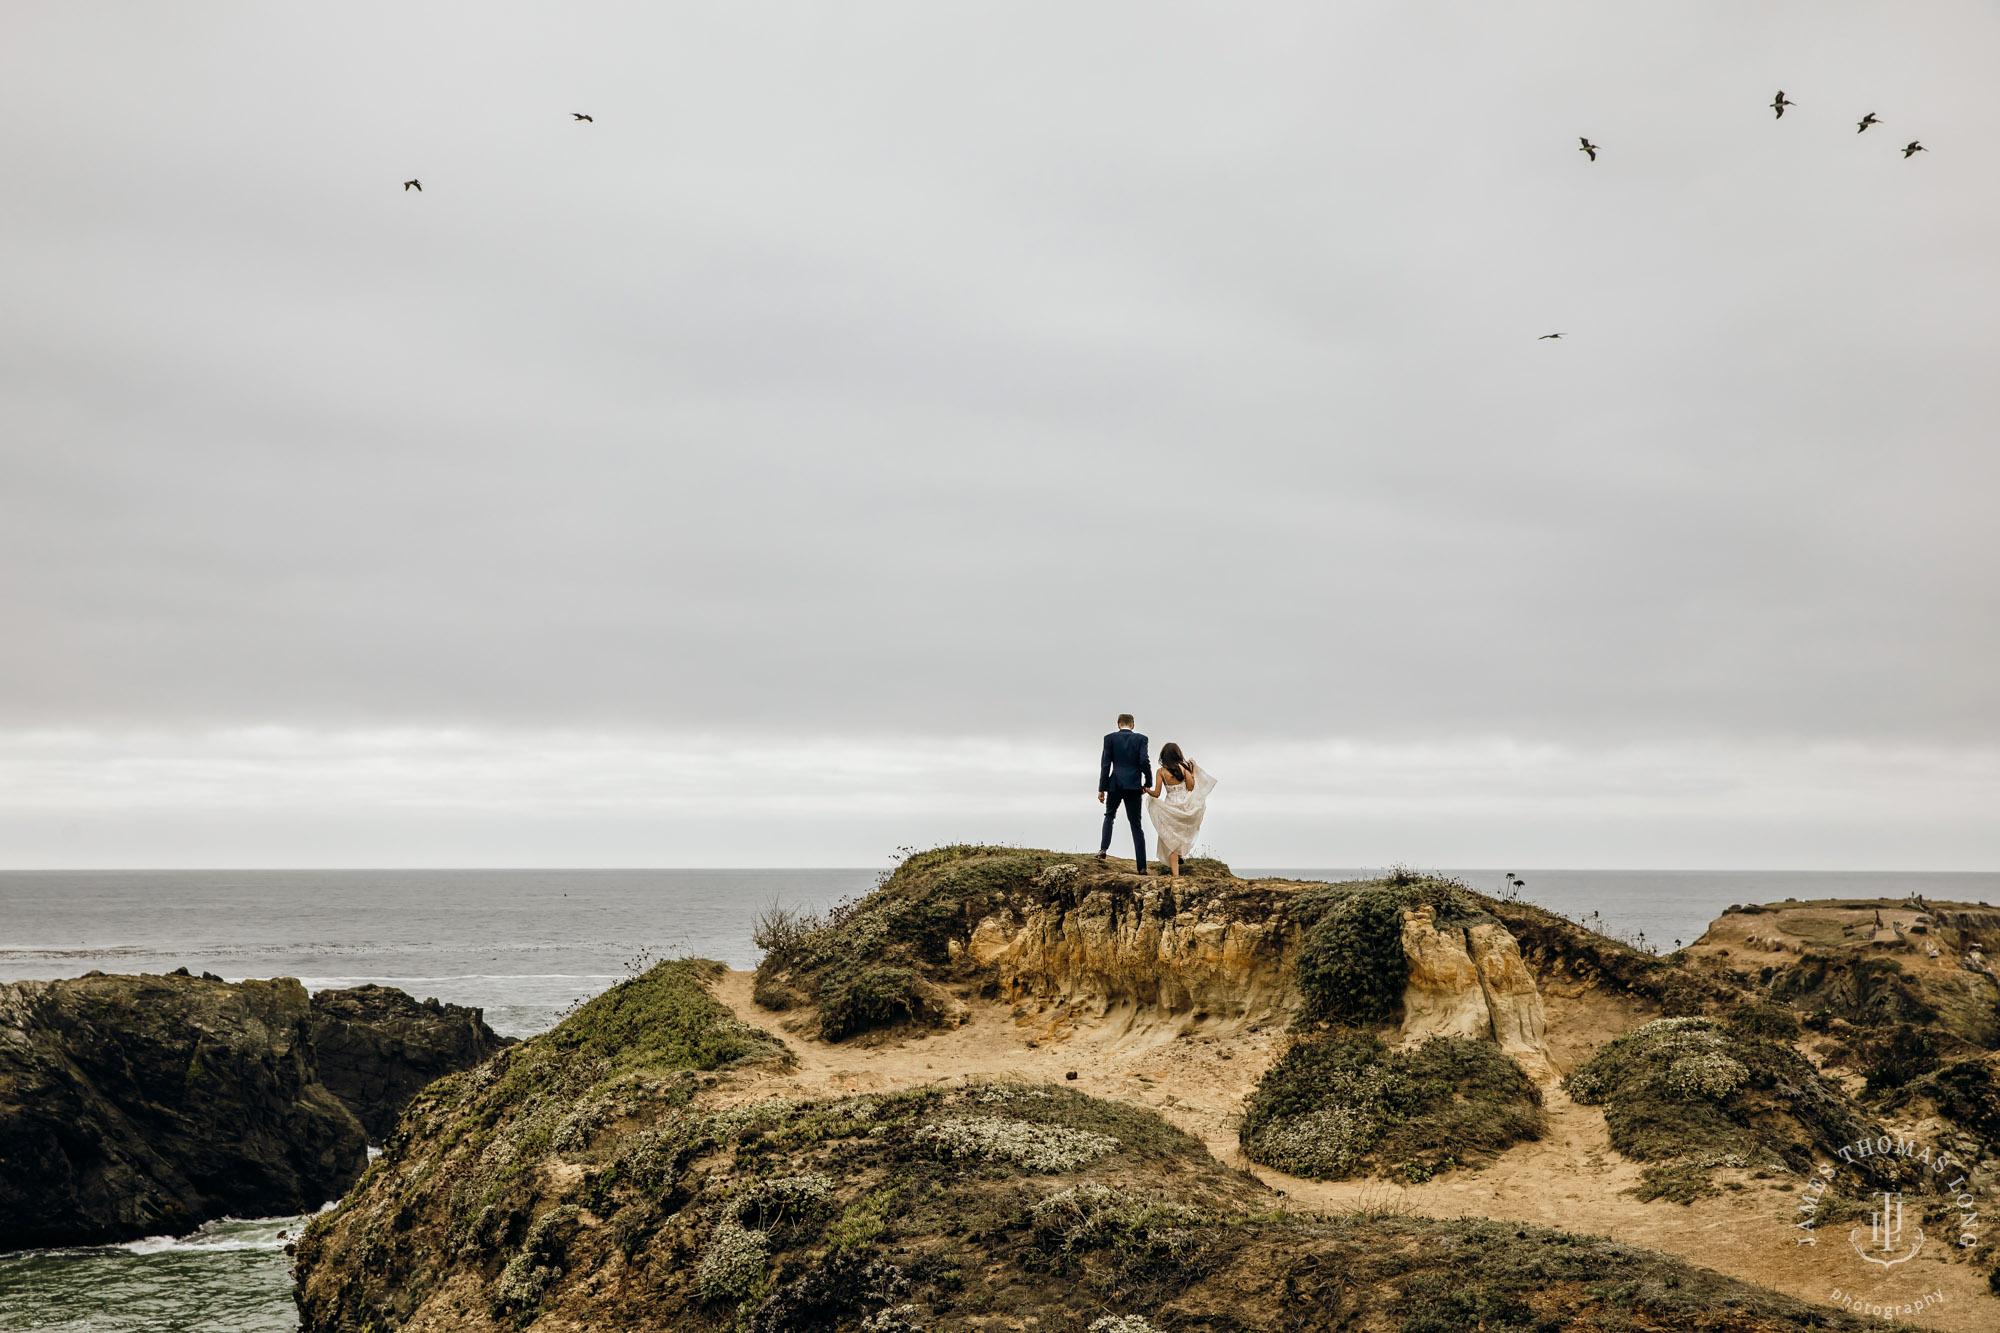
1177	814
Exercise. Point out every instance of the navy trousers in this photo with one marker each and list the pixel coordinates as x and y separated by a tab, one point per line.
1130	800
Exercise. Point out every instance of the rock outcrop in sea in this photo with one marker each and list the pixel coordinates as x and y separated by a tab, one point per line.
376	1047
135	1106
140	1105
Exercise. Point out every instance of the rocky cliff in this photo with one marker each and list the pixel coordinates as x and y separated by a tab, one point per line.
1090	945
377	1047
133	1106
1470	981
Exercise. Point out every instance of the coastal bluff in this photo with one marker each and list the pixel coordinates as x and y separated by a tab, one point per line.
1014	1089
133	1106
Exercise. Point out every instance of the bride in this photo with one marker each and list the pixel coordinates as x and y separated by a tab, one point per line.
1178	800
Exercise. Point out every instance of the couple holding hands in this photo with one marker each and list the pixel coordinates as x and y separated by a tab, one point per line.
1177	796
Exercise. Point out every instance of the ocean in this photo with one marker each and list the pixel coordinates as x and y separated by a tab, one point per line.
524	945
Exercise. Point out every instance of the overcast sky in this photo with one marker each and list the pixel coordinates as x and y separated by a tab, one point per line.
813	454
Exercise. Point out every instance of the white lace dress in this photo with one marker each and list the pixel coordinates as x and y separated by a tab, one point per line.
1177	814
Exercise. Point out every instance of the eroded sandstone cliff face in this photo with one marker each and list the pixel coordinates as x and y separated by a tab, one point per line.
137	1105
1145	955
1100	951
1470	981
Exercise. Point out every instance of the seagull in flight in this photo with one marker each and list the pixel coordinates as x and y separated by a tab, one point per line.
580	116
418	186
1870	119
1588	147
1781	103
1546	336
1913	147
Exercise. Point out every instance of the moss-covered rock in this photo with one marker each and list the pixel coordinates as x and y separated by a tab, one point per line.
139	1105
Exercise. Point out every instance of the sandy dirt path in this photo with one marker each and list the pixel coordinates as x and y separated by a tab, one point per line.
1198	1078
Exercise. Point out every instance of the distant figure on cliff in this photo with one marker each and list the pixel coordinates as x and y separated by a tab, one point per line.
1177	801
1124	772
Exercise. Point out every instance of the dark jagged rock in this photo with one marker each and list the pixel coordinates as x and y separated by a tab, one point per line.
378	1047
140	1105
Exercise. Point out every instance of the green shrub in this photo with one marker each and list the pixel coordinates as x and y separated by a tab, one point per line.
1352	968
1772	1022
732	1264
1679	1088
1334	1104
664	1019
869	997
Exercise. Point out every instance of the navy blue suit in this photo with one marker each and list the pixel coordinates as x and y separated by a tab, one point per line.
1124	771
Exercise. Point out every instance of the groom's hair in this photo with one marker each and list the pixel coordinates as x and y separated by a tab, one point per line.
1125	720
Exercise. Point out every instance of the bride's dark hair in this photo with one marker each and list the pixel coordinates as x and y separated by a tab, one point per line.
1172	760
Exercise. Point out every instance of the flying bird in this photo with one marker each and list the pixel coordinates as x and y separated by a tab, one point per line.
1913	147
1870	119
580	116
1588	147
1546	336
1781	103
418	186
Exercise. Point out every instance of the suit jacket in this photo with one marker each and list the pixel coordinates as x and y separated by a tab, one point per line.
1125	764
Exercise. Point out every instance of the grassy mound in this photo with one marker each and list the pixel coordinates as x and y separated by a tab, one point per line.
872	963
1343	1103
664	1019
1705	1093
1351	968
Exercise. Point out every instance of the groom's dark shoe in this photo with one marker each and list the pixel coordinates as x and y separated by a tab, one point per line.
1100	856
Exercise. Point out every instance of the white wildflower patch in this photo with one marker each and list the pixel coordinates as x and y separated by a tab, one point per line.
732	1264
1057	876
1696	1040
1325	1144
1321	1144
1044	1148
1007	1092
1709	1074
574	1132
532	1273
1121	1323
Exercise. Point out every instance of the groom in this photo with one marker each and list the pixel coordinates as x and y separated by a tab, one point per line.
1124	772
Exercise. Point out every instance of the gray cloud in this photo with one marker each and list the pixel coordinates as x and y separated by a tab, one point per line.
898	370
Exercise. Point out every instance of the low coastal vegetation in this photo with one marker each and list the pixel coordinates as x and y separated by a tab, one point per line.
1691	1094
645	1165
1340	1101
629	1184
1343	1103
1351	966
